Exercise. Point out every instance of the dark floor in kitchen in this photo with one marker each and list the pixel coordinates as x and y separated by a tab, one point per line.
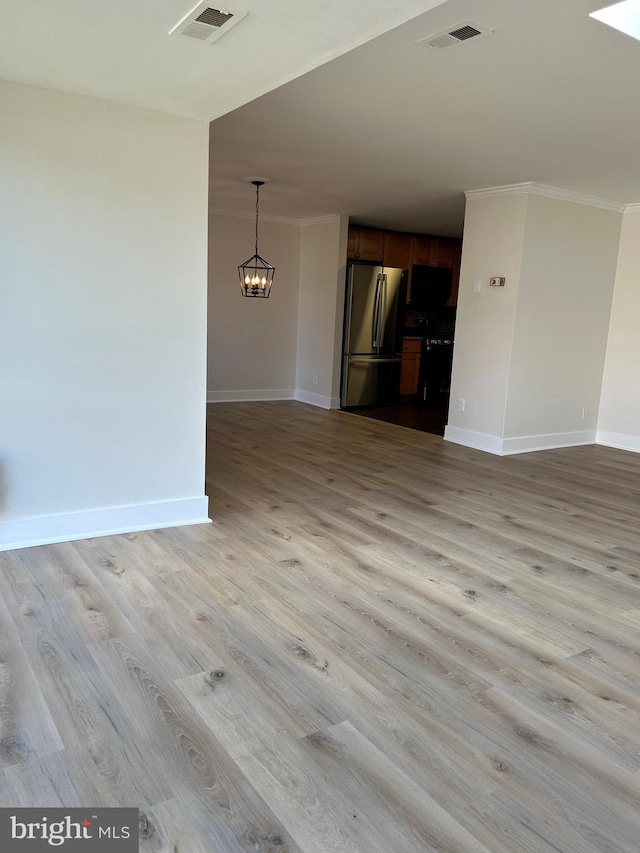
426	417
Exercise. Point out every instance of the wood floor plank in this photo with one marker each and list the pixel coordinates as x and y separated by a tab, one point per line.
65	779
398	812
166	827
292	786
135	595
27	728
93	727
202	772
444	767
531	823
247	651
383	642
558	686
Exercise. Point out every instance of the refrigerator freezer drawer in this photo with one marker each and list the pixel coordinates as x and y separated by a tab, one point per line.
370	381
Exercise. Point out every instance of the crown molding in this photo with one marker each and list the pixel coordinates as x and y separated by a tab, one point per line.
319	220
632	208
271	217
530	188
494	192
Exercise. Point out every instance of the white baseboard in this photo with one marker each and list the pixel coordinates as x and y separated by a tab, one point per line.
552	441
477	440
250	396
317	400
522	444
619	440
65	527
267	394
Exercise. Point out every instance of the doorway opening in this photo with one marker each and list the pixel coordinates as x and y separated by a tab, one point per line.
398	344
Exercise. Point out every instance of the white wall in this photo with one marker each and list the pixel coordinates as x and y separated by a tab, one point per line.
529	356
323	257
493	242
103	320
268	349
252	342
619	420
564	302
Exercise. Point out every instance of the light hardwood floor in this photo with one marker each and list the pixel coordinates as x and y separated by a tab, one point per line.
383	643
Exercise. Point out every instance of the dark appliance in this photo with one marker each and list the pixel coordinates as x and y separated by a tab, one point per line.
372	352
437	354
435	367
430	288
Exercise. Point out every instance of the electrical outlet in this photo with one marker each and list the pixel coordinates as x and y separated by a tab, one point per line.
585	413
477	284
497	281
315	379
461	404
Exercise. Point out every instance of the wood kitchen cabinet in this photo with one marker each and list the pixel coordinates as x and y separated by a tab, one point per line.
397	250
403	251
434	251
364	245
410	367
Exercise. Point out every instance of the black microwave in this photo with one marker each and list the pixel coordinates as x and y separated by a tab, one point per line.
430	287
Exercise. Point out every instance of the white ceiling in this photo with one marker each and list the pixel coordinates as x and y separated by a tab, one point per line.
119	50
392	133
383	129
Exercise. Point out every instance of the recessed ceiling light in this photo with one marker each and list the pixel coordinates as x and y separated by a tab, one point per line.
623	16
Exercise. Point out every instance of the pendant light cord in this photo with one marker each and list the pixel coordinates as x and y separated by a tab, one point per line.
257	212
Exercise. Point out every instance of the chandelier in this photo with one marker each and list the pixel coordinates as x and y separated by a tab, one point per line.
256	274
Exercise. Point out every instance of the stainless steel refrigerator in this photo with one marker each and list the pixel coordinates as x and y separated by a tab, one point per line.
374	316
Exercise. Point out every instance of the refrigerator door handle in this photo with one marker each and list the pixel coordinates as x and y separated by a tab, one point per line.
375	320
382	317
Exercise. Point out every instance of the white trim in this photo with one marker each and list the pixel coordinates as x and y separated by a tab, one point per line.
260	395
272	394
619	440
317	400
632	208
65	527
550	441
491	192
319	220
522	444
477	440
530	188
272	217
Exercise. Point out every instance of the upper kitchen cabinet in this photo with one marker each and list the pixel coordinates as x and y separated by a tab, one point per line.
434	251
364	245
406	251
397	250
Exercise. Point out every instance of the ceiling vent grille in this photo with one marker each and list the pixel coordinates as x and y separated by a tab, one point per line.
214	17
455	36
206	24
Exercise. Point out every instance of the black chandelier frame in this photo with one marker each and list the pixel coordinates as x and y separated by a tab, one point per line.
256	274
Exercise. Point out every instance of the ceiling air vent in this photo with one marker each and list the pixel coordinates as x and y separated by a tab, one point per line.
206	24
455	36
